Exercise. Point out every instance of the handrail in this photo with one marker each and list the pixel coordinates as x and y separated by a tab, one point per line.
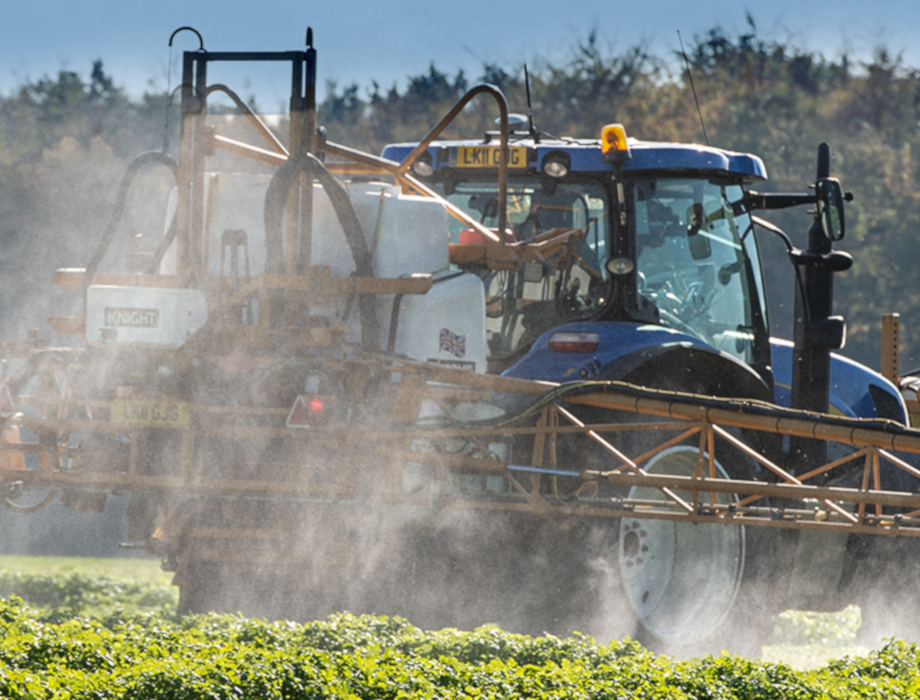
392	167
502	162
253	118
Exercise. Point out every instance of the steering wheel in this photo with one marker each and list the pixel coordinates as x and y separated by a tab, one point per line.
680	308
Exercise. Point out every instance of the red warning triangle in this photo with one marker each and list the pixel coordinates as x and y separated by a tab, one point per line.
297	417
304	414
6	401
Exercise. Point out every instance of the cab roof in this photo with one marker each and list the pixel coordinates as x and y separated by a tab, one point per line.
585	157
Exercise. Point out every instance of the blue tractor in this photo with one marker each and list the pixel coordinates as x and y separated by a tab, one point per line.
651	275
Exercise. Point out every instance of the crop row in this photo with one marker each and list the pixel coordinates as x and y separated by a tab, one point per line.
79	635
155	655
76	593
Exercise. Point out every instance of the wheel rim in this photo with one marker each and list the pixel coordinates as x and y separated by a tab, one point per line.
680	579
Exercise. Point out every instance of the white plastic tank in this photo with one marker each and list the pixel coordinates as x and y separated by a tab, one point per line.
445	326
403	231
405	234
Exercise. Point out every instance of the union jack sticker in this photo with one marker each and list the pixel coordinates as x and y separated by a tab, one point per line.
453	343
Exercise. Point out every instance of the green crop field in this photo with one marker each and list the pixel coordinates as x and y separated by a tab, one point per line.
92	587
47	654
140	569
106	628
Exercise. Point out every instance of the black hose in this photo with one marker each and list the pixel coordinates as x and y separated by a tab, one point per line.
275	204
751	407
394	323
143	159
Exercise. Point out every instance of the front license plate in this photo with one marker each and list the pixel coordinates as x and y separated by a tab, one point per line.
486	157
151	414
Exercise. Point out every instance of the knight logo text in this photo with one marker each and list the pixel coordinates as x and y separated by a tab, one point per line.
132	318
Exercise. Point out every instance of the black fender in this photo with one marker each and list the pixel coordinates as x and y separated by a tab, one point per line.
695	369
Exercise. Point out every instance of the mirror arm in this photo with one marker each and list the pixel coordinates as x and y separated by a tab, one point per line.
763	200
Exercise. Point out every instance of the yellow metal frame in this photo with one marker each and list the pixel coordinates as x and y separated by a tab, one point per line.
670	419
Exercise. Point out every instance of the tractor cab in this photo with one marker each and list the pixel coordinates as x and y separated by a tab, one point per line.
645	234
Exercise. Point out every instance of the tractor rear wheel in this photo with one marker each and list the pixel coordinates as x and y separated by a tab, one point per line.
692	588
695	587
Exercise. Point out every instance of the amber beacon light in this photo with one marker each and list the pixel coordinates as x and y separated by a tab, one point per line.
613	144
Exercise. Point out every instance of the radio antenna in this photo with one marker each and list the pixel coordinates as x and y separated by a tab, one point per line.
533	130
693	87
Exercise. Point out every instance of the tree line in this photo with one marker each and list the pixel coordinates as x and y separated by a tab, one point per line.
64	141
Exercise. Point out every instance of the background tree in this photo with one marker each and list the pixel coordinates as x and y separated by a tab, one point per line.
64	140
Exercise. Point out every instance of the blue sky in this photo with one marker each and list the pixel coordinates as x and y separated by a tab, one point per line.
387	41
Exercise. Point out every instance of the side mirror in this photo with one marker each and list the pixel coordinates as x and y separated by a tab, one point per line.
694	218
830	207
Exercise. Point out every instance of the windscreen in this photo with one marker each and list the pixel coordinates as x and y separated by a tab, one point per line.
568	223
692	261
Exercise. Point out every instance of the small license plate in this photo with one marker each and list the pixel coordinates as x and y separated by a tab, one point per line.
151	414
486	157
